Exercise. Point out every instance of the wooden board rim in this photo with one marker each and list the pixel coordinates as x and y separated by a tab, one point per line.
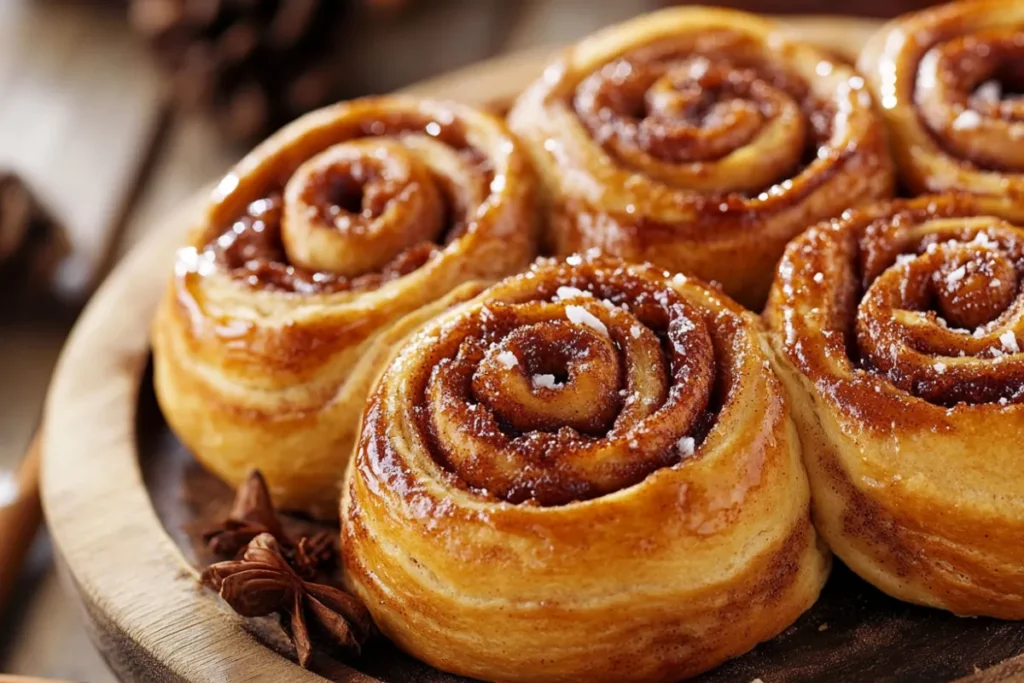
103	524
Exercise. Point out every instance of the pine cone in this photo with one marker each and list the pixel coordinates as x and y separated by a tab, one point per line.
253	64
32	245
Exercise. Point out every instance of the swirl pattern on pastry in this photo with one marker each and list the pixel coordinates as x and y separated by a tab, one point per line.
700	140
948	80
611	445
292	288
900	327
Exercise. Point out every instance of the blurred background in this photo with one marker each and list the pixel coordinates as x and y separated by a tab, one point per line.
112	113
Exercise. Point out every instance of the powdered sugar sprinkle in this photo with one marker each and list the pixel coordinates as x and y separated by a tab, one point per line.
570	293
508	359
581	316
1009	342
686	446
544	382
967	120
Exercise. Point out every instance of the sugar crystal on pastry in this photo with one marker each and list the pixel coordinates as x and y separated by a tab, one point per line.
948	80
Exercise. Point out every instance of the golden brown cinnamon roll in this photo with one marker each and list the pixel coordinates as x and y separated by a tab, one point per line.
291	288
588	472
948	80
899	329
700	140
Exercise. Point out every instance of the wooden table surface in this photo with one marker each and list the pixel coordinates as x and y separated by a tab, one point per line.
84	119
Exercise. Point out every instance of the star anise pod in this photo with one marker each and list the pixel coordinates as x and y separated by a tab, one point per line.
262	582
315	553
252	514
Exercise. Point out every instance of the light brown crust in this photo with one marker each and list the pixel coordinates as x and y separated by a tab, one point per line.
273	329
910	424
938	77
700	140
550	570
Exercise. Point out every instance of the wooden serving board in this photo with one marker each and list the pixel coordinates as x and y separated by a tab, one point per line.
124	499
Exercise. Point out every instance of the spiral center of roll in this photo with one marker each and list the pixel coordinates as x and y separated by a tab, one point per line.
354	207
549	375
699	111
973	286
679	117
941	314
968	91
574	382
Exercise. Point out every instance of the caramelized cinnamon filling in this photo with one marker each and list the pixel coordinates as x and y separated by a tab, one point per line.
583	383
941	306
364	211
967	92
667	108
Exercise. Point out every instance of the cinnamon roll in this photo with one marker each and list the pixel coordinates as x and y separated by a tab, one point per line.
949	80
588	472
320	250
899	330
700	140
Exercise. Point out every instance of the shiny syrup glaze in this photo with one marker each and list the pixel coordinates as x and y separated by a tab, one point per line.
702	145
250	248
696	104
941	263
949	81
981	73
515	451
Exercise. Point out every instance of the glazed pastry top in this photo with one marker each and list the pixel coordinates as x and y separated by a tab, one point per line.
919	299
700	140
948	82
